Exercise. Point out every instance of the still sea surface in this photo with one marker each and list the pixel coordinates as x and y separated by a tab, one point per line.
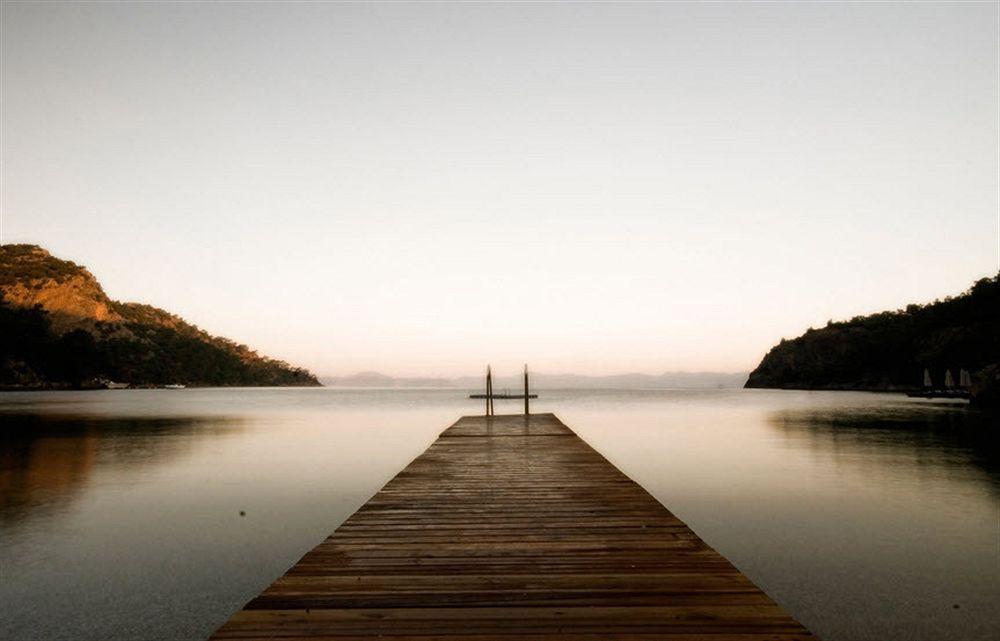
155	514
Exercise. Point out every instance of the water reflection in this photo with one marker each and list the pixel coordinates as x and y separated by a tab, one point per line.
155	515
867	516
47	460
929	435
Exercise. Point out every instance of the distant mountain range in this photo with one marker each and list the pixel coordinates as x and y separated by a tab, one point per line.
667	380
59	329
892	350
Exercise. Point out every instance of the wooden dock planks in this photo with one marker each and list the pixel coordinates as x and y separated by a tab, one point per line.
507	528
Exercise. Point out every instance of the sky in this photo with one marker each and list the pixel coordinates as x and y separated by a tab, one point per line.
420	189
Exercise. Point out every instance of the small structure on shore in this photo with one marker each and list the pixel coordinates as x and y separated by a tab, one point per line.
949	389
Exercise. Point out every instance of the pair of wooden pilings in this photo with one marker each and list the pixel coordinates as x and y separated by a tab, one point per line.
489	392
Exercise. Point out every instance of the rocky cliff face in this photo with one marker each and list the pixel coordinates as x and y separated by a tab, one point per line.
891	350
60	327
71	295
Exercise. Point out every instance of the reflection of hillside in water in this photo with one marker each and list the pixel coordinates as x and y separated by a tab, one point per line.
47	461
938	438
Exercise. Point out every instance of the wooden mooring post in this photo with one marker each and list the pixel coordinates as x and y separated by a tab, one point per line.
527	396
489	391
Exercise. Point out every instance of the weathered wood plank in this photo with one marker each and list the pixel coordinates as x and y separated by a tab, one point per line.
509	527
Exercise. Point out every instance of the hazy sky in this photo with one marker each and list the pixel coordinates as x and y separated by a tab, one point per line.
422	188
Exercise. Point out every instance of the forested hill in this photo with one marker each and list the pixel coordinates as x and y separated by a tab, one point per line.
59	329
890	350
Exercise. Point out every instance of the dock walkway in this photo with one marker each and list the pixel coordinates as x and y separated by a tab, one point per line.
509	529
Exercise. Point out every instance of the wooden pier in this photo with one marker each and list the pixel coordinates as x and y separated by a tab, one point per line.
512	527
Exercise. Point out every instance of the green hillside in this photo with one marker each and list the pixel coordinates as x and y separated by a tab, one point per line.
891	350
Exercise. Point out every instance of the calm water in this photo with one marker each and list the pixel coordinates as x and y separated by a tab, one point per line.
867	516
